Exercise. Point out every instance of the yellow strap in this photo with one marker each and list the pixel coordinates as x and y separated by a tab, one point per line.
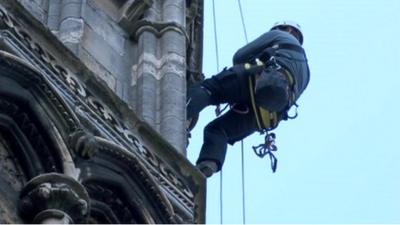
289	77
267	117
253	103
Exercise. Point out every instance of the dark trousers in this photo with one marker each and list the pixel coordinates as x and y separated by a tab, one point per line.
234	125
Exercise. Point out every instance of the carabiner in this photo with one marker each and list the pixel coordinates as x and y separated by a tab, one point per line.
277	66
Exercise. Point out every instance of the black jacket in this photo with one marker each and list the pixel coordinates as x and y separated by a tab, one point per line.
295	62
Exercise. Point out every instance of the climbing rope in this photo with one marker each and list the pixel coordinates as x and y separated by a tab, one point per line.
217	59
242	145
243	191
218	110
215	36
243	24
267	148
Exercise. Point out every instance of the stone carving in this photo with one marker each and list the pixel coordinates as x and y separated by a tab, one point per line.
75	92
54	198
84	144
132	11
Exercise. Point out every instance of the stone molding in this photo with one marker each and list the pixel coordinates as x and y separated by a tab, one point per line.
77	107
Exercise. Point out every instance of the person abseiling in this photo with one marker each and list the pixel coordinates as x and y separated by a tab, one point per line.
267	77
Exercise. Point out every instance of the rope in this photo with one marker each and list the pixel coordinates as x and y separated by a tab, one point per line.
242	18
217	58
215	36
242	145
220	197
243	191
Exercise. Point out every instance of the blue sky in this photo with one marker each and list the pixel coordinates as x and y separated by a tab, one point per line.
338	162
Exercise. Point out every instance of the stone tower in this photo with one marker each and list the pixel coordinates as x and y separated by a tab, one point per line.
92	111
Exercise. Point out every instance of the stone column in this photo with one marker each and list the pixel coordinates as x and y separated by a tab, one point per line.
159	77
53	18
147	79
71	26
173	74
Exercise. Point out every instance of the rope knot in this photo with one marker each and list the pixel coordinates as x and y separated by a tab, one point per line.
267	148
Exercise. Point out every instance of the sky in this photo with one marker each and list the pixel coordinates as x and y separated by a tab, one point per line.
339	160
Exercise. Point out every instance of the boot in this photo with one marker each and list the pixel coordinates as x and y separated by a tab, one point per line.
207	167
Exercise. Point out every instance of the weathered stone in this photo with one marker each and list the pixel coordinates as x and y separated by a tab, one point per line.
100	71
104	54
71	8
106	29
87	88
54	13
38	8
71	30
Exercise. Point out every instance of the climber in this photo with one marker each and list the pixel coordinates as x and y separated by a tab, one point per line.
267	77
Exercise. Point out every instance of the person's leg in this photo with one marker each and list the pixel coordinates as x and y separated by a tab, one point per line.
197	99
228	128
228	87
225	87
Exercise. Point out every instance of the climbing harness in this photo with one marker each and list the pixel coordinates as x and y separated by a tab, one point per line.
272	51
287	116
267	148
266	120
